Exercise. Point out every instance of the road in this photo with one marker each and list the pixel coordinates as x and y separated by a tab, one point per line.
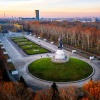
21	63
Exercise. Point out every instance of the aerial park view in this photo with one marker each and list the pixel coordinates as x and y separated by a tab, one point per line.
51	54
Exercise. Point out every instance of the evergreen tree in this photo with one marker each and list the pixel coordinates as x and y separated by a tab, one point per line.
5	76
22	81
55	93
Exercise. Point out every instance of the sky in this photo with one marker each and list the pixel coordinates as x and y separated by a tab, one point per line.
50	8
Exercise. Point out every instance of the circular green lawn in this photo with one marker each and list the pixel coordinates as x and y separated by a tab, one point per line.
73	70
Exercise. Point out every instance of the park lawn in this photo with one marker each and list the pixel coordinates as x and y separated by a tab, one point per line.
20	40
15	38
35	51
29	46
73	70
24	43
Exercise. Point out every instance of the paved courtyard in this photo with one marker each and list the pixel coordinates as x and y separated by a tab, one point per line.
21	62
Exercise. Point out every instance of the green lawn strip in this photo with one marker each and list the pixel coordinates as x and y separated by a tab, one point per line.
35	51
29	46
73	70
24	43
15	38
20	40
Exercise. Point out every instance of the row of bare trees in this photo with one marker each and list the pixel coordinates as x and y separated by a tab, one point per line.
81	37
84	36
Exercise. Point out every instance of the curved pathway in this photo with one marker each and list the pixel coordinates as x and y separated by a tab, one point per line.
21	63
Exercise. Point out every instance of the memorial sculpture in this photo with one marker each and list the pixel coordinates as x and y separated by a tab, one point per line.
60	56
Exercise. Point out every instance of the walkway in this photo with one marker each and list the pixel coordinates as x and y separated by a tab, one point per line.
12	52
21	62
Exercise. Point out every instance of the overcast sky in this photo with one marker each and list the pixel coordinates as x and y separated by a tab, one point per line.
50	8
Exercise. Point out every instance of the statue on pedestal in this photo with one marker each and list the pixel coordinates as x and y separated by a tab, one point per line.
60	43
60	56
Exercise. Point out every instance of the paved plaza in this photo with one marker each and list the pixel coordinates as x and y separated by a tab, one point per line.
21	62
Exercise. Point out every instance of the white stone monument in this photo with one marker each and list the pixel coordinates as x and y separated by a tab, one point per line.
60	56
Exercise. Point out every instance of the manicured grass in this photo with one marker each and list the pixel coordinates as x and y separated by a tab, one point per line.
24	43
28	47
73	70
14	38
36	51
20	40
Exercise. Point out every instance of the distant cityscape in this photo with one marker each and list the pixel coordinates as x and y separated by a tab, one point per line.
37	18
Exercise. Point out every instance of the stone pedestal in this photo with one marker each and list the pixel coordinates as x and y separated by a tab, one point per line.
60	57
